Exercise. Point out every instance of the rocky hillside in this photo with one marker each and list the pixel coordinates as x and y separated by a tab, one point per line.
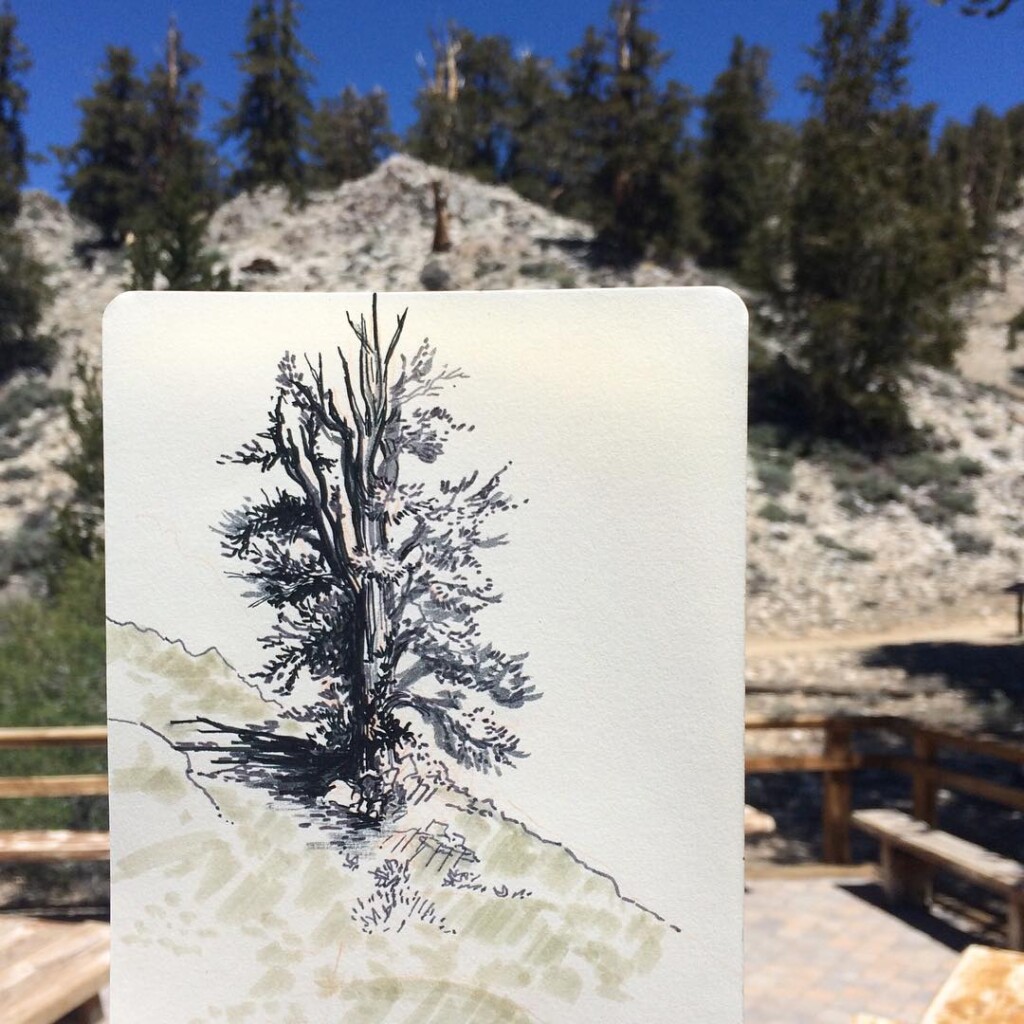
834	542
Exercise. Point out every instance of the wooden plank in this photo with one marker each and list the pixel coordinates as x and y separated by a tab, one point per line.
56	736
29	846
986	987
53	785
981	745
925	790
943	850
767	722
973	785
70	967
768	764
837	796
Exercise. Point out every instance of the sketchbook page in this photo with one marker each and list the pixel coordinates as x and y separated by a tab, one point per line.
425	656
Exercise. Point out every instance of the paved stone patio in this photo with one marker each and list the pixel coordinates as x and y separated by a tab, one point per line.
819	951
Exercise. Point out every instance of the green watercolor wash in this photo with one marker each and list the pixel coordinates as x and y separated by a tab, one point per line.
275	981
424	1001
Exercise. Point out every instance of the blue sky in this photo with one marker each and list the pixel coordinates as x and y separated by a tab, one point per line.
958	62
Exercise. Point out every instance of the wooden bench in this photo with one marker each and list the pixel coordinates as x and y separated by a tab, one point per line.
911	851
52	971
53	845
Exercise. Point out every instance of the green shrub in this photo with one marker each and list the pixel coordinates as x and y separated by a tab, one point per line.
919	469
543	270
967	467
776	478
775	513
14	473
853	554
959	503
22	399
966	543
52	667
28	551
876	487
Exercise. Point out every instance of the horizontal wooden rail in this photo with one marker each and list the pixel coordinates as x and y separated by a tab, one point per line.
52	785
765	722
779	764
57	736
944	778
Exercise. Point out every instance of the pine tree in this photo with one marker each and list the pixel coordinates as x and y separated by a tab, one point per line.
349	136
464	106
180	186
869	273
24	296
270	119
536	123
104	170
579	157
642	191
24	293
79	530
14	65
431	136
735	158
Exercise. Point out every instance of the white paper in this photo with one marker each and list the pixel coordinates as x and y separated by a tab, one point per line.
607	879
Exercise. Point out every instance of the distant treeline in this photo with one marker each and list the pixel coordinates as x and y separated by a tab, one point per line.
860	224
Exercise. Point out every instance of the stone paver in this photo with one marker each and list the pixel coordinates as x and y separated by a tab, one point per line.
821	951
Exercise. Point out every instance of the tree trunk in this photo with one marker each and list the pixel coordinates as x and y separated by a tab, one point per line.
375	668
442	239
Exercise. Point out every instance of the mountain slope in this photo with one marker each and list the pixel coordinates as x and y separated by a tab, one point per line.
828	550
454	912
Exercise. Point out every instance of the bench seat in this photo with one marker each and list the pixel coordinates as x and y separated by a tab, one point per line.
907	844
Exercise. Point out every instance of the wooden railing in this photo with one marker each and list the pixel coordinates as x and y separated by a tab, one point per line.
53	785
839	759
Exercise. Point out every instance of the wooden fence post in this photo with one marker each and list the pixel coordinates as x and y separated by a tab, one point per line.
925	790
837	796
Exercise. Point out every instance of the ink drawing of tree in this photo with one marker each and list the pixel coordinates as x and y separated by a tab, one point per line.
375	579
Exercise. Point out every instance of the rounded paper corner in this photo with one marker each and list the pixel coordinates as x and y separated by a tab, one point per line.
732	304
118	306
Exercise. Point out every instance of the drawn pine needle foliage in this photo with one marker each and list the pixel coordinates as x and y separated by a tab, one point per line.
376	580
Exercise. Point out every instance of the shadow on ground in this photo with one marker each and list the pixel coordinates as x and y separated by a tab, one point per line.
989	676
952	920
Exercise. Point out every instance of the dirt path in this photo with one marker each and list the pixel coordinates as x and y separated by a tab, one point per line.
970	628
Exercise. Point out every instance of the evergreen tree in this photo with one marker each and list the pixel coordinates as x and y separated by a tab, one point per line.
180	183
24	296
79	530
349	136
537	125
272	113
463	108
735	158
580	155
24	293
104	170
642	191
868	268
14	65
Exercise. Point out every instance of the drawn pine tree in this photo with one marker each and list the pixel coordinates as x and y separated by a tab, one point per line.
376	581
